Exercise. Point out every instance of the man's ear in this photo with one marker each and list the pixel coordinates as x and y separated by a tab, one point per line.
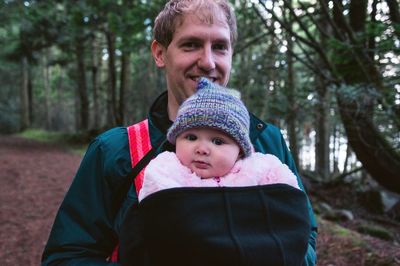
158	51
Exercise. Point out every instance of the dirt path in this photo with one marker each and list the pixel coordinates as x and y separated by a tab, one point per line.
33	180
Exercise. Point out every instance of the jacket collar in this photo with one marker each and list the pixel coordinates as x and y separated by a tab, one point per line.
159	121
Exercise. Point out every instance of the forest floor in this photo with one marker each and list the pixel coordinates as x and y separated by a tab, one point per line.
34	177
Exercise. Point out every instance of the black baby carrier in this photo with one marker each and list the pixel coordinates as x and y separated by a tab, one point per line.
259	225
221	226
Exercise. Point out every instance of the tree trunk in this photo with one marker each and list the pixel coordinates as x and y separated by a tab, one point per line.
336	150
394	15
24	95
372	150
95	83
322	150
395	19
30	97
82	88
291	92
292	116
371	39
346	159
112	72
380	160
46	85
322	130
59	104
124	84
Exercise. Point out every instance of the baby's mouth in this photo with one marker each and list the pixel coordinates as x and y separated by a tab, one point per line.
201	164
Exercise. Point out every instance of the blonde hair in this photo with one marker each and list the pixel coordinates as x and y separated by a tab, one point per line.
206	10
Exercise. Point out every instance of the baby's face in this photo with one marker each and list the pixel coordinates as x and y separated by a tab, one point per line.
207	152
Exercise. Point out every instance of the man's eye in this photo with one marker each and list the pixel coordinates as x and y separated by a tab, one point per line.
222	47
218	141
190	45
190	137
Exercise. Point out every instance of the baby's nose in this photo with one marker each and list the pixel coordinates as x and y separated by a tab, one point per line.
202	149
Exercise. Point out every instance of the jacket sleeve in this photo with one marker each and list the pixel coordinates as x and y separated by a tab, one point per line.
83	231
271	141
311	256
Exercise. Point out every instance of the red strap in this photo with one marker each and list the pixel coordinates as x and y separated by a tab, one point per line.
139	145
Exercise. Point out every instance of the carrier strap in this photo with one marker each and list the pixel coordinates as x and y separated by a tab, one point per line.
139	146
140	151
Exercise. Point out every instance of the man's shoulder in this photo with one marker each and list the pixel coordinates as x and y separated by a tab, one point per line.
267	138
116	136
112	146
262	129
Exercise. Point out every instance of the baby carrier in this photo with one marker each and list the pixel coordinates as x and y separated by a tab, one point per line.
257	225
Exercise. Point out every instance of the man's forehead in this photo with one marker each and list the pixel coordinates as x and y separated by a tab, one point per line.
203	16
221	33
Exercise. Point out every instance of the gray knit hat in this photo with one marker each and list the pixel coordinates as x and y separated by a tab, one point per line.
216	107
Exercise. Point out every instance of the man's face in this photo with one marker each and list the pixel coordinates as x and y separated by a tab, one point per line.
197	50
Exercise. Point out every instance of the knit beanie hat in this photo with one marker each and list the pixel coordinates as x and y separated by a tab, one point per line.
215	107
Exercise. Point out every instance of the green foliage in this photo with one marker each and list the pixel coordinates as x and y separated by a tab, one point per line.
357	91
376	231
9	120
74	142
376	28
9	100
341	232
43	135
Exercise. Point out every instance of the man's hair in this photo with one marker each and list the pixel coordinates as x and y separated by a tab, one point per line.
206	10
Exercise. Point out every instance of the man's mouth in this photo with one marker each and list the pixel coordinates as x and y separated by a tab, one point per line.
197	78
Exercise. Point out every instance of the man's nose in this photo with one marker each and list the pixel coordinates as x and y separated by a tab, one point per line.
206	61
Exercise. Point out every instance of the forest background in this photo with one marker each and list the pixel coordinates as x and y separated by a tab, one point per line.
325	72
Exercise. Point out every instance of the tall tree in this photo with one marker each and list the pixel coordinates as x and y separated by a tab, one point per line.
46	87
322	106
82	83
24	94
95	67
361	87
112	79
291	90
361	74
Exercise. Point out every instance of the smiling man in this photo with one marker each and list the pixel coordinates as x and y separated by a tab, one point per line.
201	47
192	39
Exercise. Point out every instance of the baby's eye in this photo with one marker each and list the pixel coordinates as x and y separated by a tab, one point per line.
218	141
190	137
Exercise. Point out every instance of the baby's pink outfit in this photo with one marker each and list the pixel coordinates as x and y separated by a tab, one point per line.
166	171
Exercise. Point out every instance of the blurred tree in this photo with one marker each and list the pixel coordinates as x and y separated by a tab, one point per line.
347	63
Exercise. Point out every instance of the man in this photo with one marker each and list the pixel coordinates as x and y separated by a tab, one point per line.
192	38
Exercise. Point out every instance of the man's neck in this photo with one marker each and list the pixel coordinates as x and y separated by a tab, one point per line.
158	113
172	108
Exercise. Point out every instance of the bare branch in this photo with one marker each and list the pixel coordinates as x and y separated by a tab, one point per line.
251	42
313	44
310	64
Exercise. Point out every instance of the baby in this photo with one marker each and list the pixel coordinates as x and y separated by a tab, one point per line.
213	148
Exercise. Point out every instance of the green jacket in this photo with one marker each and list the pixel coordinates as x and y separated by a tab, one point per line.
86	228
